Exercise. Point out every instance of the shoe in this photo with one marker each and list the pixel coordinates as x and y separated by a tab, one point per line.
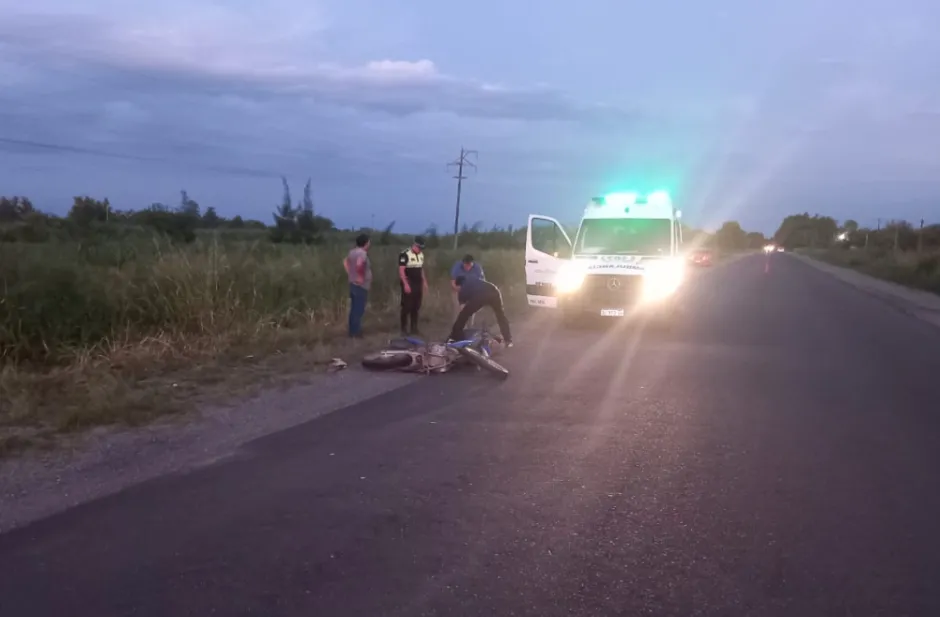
508	344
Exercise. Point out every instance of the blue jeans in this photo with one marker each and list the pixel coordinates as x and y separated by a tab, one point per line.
357	308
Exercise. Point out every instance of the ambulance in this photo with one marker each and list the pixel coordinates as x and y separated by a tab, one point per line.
625	258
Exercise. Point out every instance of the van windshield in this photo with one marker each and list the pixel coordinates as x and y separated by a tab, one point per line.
624	237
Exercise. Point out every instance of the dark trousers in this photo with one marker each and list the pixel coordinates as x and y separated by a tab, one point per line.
411	306
494	300
358	296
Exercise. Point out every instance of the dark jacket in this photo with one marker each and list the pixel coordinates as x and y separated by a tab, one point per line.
477	290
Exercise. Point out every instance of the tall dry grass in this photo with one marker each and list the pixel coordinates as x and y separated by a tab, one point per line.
89	330
910	268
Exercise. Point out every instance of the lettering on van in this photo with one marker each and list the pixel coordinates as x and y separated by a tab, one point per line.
609	267
630	259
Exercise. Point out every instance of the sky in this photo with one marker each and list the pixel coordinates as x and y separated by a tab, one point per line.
744	110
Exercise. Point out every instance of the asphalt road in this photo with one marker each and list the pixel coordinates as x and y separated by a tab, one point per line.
776	453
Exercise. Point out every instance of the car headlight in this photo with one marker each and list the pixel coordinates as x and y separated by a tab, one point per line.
569	278
662	278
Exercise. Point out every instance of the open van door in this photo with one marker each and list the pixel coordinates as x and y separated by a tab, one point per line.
547	247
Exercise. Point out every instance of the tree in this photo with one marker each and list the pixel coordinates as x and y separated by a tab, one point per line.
755	240
286	209
86	211
177	226
188	206
432	237
900	235
211	219
298	224
285	219
15	209
731	237
803	230
307	205
386	237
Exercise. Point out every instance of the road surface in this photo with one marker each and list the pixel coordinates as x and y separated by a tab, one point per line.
777	453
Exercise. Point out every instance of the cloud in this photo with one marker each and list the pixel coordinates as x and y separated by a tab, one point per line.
230	92
220	51
373	100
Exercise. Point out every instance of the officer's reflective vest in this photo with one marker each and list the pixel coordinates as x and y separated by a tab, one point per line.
415	260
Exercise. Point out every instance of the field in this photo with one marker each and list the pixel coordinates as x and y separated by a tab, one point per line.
921	271
123	329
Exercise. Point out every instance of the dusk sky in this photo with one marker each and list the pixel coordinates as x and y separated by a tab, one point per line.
746	110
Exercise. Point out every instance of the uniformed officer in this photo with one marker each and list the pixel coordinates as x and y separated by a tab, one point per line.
413	283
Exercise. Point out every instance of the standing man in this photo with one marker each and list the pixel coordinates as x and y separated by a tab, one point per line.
467	268
359	271
413	284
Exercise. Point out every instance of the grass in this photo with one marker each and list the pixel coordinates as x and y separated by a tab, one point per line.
126	330
920	271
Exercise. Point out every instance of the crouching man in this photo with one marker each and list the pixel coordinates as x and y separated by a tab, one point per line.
473	294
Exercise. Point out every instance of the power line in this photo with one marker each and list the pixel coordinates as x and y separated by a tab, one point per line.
225	169
459	164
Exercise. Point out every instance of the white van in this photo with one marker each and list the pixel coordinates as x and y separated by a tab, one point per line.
625	257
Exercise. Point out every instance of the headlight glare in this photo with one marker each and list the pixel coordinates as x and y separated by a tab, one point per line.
569	278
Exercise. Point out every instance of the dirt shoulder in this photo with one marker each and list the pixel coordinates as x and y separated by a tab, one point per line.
38	483
915	302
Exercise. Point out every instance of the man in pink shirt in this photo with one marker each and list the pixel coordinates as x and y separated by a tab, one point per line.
359	271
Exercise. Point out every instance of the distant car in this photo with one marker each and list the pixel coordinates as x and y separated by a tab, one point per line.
780	249
701	257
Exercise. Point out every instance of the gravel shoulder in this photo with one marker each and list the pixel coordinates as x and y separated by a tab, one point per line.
920	304
105	461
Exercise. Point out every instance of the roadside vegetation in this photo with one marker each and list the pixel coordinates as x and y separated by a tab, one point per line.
896	251
110	315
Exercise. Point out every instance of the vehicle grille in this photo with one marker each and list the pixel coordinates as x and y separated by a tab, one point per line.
597	292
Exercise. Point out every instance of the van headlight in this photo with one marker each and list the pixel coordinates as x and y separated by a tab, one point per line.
662	278
569	278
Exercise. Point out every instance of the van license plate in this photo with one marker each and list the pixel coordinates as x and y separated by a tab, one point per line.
611	312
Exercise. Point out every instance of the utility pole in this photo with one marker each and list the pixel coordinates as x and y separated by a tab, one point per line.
920	238
459	164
